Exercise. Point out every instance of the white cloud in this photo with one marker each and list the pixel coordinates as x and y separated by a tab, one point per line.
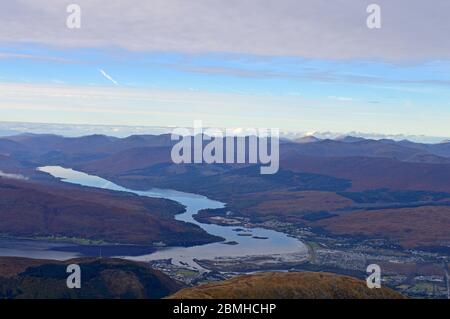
107	76
7	55
105	105
12	176
411	29
341	98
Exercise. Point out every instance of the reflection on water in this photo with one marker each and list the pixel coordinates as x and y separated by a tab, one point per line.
276	242
35	249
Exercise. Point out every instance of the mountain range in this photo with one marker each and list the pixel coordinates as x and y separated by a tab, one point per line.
347	178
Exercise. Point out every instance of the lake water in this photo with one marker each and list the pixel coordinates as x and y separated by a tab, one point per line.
276	242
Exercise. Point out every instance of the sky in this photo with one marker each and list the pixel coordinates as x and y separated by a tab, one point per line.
299	65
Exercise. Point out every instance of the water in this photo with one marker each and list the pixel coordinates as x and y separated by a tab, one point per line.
37	249
276	242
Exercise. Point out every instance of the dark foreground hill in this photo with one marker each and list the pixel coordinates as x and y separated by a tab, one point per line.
292	285
100	278
107	278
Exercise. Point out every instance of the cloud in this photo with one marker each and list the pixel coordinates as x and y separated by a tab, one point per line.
341	98
323	29
336	73
105	105
106	75
12	176
7	55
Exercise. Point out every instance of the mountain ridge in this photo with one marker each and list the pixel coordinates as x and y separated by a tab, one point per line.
290	285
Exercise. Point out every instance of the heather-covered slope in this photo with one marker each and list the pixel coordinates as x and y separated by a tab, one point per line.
292	285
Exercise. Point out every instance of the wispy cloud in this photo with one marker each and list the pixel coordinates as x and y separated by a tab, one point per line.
341	98
8	55
12	176
33	102
107	76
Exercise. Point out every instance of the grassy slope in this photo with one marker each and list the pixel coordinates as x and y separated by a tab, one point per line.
305	285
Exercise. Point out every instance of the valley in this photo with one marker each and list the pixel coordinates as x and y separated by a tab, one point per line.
351	202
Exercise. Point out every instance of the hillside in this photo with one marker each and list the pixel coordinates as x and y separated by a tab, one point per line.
30	209
22	278
413	227
116	278
292	285
371	173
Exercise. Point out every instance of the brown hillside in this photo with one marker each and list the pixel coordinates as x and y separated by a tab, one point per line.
373	173
411	227
29	209
292	285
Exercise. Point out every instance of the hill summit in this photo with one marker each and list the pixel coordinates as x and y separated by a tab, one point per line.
291	285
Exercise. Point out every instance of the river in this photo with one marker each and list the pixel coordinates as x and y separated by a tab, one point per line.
276	242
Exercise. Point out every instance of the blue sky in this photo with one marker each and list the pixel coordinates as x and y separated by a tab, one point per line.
46	79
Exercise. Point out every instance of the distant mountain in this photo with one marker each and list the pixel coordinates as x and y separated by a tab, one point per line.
428	159
349	146
22	278
366	148
307	139
10	146
439	149
367	163
369	136
7	164
350	139
4	132
130	159
372	173
76	130
291	285
53	149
